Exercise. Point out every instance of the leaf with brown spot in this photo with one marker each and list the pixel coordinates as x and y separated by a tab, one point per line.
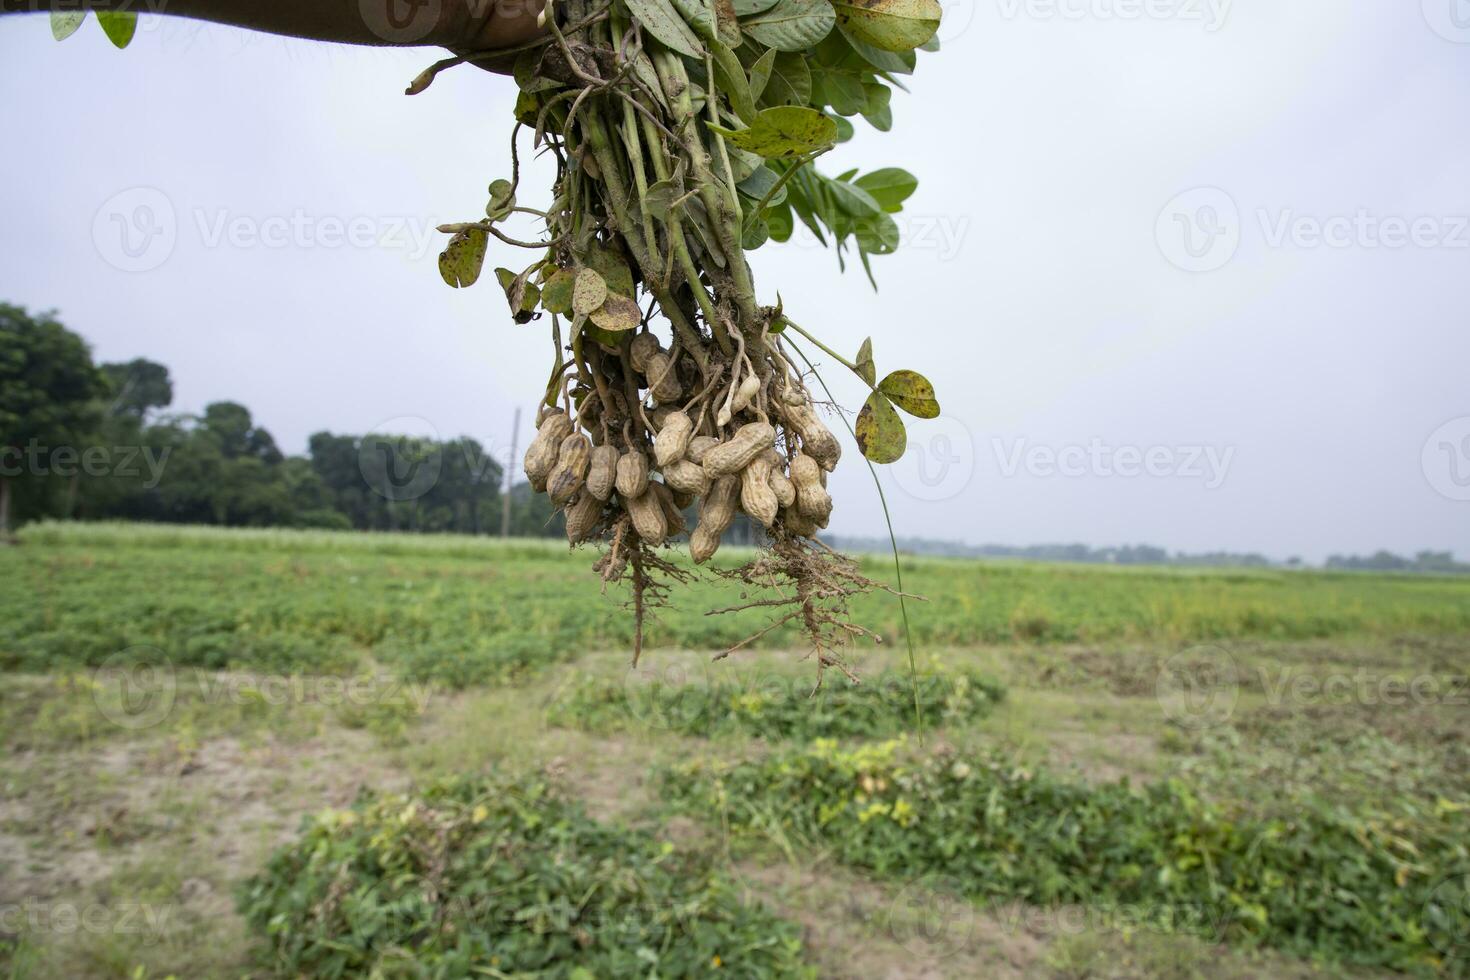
617	313
588	292
462	258
912	392
879	430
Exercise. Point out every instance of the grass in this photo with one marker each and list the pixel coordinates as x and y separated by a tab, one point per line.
174	702
462	611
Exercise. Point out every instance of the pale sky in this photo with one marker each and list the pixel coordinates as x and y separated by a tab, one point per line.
1184	272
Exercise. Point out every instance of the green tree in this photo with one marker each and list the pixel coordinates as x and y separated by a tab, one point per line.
49	394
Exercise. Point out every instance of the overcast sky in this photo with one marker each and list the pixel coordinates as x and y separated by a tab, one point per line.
1184	272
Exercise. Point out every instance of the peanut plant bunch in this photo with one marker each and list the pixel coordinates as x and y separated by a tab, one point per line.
684	133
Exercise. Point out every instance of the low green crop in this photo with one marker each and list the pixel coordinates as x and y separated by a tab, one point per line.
1384	891
778	706
502	878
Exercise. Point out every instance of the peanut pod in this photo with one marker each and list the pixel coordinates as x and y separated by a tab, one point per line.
715	515
672	440
686	477
812	499
602	471
583	516
673	514
733	455
570	470
632	477
756	496
648	518
541	455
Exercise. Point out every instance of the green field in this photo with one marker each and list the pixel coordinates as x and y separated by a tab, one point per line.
1121	772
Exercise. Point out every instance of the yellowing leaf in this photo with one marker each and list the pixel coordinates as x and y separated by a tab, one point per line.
892	25
912	392
879	430
462	258
617	313
64	25
556	295
783	132
588	292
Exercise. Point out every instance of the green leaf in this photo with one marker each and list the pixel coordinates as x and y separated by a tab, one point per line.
890	25
118	25
778	220
744	8
65	25
609	262
730	79
699	14
893	62
462	258
660	198
759	183
502	199
617	313
879	430
662	21
783	132
912	392
743	164
890	187
791	25
790	82
588	292
760	73
852	199
843	92
866	369
556	295
877	234
844	129
877	112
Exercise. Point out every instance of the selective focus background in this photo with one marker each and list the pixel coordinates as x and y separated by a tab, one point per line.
1188	691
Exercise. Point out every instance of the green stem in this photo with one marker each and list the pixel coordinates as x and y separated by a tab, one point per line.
780	183
830	352
711	189
892	540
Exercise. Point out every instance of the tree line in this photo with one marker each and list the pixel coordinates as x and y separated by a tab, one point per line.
97	441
